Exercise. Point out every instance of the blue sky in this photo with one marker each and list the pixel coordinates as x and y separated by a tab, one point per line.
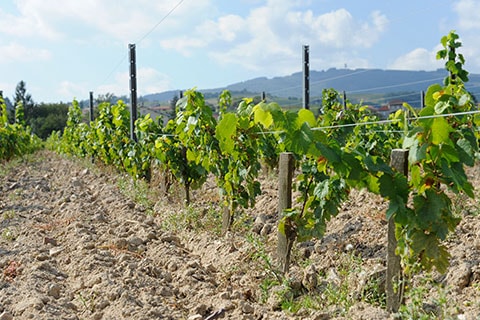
64	49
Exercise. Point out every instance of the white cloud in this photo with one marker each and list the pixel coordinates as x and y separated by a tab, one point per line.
68	90
15	52
123	20
468	14
339	29
183	45
29	23
269	38
417	59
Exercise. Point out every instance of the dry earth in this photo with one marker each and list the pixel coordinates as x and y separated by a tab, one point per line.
74	245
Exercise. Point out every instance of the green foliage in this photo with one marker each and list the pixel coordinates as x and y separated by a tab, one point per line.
349	149
20	114
441	143
47	118
184	150
236	158
15	139
454	61
345	147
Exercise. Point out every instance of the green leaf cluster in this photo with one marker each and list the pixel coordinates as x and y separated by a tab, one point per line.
15	139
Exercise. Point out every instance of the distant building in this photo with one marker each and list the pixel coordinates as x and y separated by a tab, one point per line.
159	111
386	109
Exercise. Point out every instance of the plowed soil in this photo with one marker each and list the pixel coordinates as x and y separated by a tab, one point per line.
74	244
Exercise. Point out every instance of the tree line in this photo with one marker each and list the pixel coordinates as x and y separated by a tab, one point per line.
42	118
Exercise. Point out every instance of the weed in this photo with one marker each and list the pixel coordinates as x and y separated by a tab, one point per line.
374	294
242	222
15	195
420	304
193	218
88	301
8	215
138	191
291	305
259	253
8	234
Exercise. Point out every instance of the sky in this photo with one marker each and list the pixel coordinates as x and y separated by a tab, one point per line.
63	49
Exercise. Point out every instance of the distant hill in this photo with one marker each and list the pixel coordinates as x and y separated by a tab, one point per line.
363	82
165	96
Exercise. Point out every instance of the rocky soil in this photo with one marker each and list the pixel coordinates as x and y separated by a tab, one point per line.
76	243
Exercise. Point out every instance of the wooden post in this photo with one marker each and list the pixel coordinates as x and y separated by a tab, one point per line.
422	99
344	100
306	77
394	278
133	91
91	106
264	96
287	238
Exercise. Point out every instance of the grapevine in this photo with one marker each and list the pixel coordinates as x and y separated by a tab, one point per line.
15	139
345	147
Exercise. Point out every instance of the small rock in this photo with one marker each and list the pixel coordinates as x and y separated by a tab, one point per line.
99	217
460	276
227	305
333	278
55	251
89	246
236	295
135	241
306	252
309	280
319	315
121	243
42	257
6	316
102	304
224	295
259	223
152	236
76	182
51	241
195	317
149	221
267	228
246	307
165	292
97	316
261	218
54	290
200	309
294	277
113	295
70	305
172	266
171	238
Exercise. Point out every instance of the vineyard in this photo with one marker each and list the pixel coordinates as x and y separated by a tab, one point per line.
224	172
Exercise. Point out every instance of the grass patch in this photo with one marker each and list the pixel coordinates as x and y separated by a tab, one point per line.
191	218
